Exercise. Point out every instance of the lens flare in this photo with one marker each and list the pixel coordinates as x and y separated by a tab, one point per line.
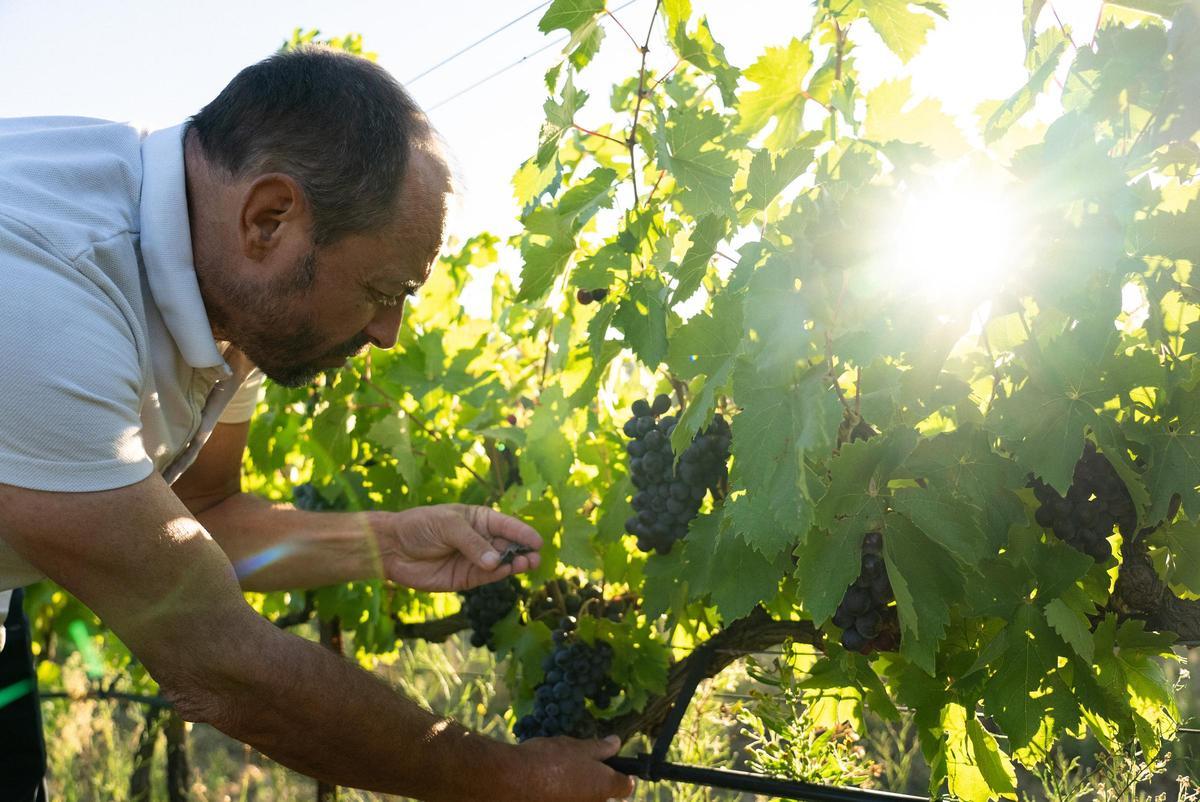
954	239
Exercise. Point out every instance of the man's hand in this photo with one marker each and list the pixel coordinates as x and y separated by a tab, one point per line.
450	547
571	771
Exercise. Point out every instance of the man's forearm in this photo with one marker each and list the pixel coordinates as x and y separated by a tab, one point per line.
277	547
365	735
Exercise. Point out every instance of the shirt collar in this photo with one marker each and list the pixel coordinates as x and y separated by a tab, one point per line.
167	249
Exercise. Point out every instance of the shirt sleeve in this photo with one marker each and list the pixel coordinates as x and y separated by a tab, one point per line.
71	394
241	407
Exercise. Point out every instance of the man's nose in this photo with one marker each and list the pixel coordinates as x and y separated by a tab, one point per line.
384	328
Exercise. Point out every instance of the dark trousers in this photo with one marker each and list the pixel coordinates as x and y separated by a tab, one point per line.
22	743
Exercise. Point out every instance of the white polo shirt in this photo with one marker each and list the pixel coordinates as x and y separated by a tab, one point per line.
109	358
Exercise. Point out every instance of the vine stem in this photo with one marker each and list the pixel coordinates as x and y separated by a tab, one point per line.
755	633
613	17
631	142
590	132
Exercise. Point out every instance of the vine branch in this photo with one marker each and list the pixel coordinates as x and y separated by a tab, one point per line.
755	633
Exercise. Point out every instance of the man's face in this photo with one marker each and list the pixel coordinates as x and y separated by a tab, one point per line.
294	329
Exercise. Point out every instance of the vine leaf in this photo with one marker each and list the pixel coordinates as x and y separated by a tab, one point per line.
392	433
779	73
947	521
963	462
1182	541
550	236
687	150
1072	625
702	50
560	116
705	345
892	115
901	29
737	578
642	318
1045	419
547	454
1051	46
1175	457
926	580
1012	693
769	175
570	15
711	229
780	422
976	769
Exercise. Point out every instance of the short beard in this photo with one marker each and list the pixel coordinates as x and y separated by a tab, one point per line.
256	320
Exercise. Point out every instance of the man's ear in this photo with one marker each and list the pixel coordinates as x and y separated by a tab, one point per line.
273	208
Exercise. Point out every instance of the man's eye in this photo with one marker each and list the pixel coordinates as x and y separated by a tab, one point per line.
390	301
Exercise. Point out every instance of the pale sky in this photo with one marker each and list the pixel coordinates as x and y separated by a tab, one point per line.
154	62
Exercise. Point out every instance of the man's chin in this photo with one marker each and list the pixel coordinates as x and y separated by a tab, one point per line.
296	376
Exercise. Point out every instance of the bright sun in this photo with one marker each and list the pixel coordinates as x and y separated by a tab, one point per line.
954	239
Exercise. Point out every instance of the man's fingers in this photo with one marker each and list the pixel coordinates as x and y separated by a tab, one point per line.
497	524
475	547
605	748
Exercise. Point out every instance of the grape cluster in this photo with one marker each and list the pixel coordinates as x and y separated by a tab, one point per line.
488	604
866	616
668	496
574	672
1096	501
562	597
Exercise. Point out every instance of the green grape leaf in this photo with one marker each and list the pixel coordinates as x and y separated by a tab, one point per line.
560	116
976	769
770	175
1072	626
642	318
687	150
1022	101
1045	419
858	478
692	268
570	15
392	433
702	50
547	454
901	29
1175	457
963	463
780	423
737	578
826	565
926	580
707	344
947	521
678	12
891	114
779	73
1012	693
1182	542
584	44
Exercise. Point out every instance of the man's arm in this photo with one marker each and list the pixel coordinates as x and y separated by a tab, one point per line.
277	547
139	560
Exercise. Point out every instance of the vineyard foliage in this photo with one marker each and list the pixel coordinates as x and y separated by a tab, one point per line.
741	220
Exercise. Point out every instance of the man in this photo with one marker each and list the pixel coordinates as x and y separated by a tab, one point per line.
142	280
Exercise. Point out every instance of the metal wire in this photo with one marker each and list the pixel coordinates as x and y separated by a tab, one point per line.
474	45
516	63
